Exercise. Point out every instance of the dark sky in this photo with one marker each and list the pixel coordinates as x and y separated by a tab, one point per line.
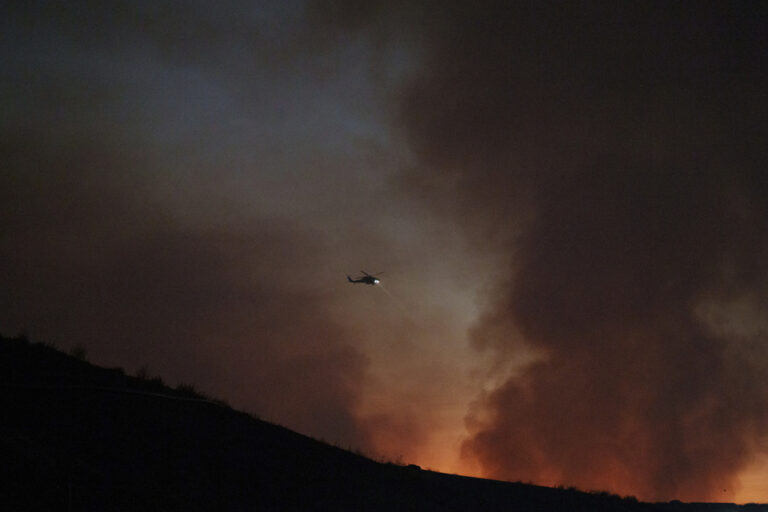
569	202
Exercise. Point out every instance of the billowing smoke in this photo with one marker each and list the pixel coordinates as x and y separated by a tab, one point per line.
178	187
616	156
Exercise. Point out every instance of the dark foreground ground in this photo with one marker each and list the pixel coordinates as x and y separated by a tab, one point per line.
74	436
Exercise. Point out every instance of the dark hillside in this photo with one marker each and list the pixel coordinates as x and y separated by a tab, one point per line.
74	436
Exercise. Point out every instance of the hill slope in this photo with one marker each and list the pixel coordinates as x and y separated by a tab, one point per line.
74	436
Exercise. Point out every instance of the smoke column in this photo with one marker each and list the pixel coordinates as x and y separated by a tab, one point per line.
614	157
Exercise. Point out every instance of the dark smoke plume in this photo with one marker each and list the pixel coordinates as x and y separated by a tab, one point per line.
616	155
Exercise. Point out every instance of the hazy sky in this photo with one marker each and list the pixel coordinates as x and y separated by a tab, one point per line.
569	204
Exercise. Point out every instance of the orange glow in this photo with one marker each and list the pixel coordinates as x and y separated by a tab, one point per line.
754	483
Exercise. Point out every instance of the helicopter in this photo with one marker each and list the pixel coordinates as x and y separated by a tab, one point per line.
367	278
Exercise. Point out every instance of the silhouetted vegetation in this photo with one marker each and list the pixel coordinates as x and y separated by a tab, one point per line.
74	436
79	352
189	391
143	373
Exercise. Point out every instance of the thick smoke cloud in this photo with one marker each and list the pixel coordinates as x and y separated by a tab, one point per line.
178	189
616	155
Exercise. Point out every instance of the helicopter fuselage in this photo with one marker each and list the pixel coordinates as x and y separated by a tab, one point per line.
364	280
